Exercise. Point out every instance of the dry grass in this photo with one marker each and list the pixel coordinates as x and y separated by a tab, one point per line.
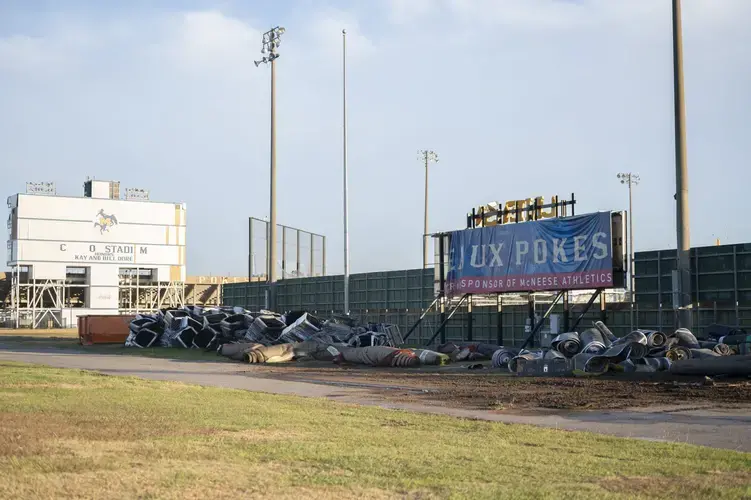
55	340
40	333
67	433
737	485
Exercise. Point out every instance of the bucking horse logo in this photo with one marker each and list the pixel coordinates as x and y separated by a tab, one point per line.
104	222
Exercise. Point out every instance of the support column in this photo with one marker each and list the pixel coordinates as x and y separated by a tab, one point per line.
250	248
531	310
312	254
284	252
469	318
499	320
323	256
297	254
735	285
442	283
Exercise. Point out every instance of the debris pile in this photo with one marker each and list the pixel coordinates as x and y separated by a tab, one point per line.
268	337
597	350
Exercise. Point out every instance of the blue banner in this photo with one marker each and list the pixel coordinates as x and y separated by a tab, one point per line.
554	254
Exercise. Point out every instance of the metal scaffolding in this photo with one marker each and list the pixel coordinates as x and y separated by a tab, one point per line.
42	303
139	292
34	301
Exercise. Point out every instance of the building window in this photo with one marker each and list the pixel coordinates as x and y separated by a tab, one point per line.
76	290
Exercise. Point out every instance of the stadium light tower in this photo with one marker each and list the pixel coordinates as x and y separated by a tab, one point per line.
269	48
426	156
631	180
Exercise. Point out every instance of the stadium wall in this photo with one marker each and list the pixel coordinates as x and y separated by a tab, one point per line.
721	289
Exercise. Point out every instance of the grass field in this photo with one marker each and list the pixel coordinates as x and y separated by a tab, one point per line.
57	340
67	433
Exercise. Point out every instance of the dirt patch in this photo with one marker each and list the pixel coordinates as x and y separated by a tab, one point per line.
497	391
687	486
258	435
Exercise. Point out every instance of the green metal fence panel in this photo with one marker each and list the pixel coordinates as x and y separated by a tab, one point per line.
721	278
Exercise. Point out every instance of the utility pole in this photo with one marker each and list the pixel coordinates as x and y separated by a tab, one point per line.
631	180
270	44
681	177
426	156
344	164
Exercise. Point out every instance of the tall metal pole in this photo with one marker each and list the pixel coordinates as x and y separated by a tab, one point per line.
425	223
312	271
323	255
272	190
631	180
297	254
251	256
268	261
270	44
426	156
681	176
632	280
344	164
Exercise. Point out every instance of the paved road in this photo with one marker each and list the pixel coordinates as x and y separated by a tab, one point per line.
729	429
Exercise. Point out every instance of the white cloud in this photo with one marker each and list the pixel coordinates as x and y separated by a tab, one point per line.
524	13
23	53
403	11
326	32
202	41
559	14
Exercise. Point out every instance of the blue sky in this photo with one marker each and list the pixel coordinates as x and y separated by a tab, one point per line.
518	97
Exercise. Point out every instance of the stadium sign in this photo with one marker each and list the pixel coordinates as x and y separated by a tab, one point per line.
580	252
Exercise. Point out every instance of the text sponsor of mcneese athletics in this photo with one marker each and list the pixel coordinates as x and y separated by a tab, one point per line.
567	253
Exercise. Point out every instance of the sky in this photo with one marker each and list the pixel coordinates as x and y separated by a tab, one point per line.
519	98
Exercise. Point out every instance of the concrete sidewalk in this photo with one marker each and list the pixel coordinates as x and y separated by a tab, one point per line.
729	429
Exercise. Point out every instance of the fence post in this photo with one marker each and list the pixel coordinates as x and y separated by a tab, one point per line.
714	312
469	319
499	319
659	317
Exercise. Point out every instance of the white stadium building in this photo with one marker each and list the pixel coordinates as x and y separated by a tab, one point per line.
95	254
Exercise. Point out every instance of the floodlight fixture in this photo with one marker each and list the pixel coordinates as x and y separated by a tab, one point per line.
270	42
427	156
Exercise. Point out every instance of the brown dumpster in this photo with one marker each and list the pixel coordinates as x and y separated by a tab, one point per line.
101	329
